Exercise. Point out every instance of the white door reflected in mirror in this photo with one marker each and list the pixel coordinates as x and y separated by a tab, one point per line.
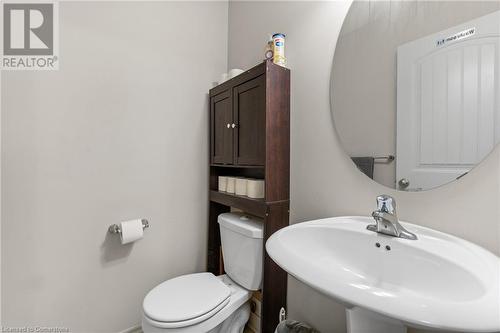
425	82
446	96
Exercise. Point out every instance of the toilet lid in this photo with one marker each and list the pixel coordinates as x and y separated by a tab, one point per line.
186	297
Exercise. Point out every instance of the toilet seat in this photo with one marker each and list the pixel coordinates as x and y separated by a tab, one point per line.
215	319
186	300
190	322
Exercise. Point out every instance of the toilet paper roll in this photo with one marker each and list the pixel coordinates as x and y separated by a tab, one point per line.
230	185
222	183
240	186
255	188
131	231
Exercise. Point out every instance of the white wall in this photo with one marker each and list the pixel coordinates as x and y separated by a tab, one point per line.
324	181
365	63
119	132
1	201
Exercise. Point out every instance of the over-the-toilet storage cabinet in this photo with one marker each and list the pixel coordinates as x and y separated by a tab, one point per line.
250	137
238	116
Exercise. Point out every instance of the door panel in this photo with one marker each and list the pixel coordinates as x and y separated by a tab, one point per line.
448	103
221	136
249	111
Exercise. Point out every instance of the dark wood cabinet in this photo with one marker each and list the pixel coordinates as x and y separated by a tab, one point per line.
238	123
221	118
250	137
249	112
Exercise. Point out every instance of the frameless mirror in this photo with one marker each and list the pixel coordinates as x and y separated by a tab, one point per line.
415	89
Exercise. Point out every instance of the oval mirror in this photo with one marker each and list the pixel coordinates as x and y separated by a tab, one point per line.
415	89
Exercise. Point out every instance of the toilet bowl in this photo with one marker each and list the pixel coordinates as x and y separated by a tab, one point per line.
203	302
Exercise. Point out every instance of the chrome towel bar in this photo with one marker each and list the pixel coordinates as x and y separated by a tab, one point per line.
387	159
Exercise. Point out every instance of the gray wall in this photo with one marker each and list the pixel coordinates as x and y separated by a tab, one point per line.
364	70
324	182
119	132
103	139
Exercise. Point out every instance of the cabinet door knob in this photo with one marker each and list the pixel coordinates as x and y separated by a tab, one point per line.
234	126
228	125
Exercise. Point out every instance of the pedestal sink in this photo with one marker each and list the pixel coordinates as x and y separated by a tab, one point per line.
437	281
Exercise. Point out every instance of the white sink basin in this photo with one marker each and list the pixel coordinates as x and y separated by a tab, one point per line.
438	281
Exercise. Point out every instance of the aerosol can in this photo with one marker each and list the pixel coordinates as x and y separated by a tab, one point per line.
279	49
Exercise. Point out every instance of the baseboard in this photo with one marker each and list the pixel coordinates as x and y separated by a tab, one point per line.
133	329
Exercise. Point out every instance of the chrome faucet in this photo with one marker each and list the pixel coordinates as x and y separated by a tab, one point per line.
386	219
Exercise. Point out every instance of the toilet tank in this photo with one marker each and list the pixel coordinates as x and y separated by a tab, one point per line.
241	237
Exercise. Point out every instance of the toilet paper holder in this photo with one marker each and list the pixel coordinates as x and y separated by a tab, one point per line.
115	228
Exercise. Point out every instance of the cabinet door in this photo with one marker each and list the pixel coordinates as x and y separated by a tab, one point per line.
249	112
221	133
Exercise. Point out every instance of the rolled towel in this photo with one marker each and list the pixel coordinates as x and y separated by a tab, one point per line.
292	326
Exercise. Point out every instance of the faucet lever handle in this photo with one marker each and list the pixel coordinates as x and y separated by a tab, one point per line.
386	204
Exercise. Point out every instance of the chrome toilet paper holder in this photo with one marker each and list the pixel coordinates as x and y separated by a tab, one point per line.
115	228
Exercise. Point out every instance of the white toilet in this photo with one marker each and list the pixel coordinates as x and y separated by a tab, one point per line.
203	302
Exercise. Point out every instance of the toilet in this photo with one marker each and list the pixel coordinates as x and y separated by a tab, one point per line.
203	302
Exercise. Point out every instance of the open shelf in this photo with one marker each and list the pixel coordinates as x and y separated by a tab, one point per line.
238	166
252	206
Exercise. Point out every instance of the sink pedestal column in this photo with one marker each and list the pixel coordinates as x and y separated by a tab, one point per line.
364	321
